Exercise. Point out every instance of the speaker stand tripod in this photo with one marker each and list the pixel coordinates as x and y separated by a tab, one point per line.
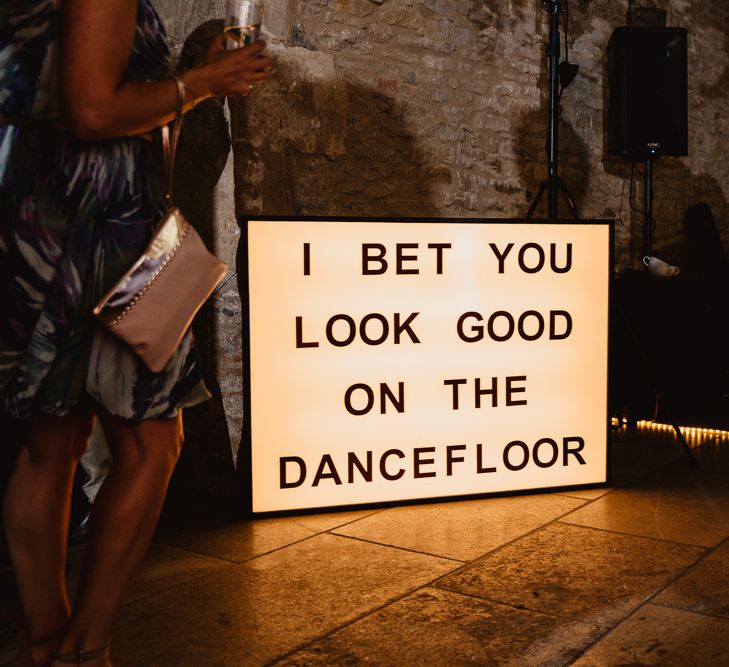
652	155
657	388
554	184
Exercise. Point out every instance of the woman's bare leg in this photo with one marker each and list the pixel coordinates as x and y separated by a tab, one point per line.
123	520
36	509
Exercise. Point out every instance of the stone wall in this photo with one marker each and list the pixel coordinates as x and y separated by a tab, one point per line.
425	107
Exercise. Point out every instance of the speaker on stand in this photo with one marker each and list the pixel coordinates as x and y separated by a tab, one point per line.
648	118
648	104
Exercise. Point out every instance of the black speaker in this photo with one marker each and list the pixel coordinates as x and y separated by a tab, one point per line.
648	84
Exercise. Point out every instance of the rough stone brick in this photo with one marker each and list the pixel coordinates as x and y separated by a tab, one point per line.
435	107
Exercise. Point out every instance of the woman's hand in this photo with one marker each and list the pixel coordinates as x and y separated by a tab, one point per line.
228	73
233	72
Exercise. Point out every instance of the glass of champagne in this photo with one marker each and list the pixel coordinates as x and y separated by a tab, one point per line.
242	22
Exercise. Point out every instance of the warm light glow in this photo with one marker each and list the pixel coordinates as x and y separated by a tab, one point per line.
692	432
398	361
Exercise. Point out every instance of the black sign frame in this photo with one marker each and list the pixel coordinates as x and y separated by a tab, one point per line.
245	451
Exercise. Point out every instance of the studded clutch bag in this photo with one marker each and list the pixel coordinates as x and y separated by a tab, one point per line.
153	304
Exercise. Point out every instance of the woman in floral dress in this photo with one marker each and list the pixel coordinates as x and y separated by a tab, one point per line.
82	83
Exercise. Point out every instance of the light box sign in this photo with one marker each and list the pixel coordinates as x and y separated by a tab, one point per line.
406	360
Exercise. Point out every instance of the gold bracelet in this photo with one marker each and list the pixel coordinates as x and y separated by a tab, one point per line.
188	92
182	88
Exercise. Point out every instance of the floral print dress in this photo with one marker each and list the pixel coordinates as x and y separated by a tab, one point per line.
74	216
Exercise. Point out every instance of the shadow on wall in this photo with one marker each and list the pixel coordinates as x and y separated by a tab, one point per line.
501	17
581	14
324	146
303	145
206	466
310	143
675	188
530	134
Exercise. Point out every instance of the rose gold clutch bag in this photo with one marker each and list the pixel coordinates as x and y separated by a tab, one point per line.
153	304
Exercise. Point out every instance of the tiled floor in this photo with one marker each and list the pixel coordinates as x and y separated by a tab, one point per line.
633	575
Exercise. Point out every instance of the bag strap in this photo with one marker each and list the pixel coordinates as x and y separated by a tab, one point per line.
170	147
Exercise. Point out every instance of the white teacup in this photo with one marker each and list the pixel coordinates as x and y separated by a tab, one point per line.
659	268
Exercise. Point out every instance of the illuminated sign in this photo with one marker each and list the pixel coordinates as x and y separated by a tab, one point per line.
404	360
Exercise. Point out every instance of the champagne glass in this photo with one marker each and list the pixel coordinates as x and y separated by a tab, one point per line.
242	22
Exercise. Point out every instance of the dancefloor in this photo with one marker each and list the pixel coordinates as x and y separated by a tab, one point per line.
634	574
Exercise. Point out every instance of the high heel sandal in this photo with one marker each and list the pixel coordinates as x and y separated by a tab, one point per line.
26	659
78	657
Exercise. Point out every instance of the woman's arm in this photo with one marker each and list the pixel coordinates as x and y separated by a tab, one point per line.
96	43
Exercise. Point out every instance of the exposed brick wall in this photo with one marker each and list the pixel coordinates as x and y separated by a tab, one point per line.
409	107
432	107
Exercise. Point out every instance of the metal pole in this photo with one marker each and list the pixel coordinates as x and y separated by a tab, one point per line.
553	52
648	222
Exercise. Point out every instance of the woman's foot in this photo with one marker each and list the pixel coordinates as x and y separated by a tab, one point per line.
40	652
90	658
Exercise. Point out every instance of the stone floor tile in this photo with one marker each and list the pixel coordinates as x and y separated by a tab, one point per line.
163	568
253	612
464	530
587	494
587	575
674	503
239	540
713	460
704	588
637	452
440	628
320	523
658	636
659	514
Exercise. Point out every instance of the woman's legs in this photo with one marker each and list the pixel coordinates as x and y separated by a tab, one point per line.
36	511
123	520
